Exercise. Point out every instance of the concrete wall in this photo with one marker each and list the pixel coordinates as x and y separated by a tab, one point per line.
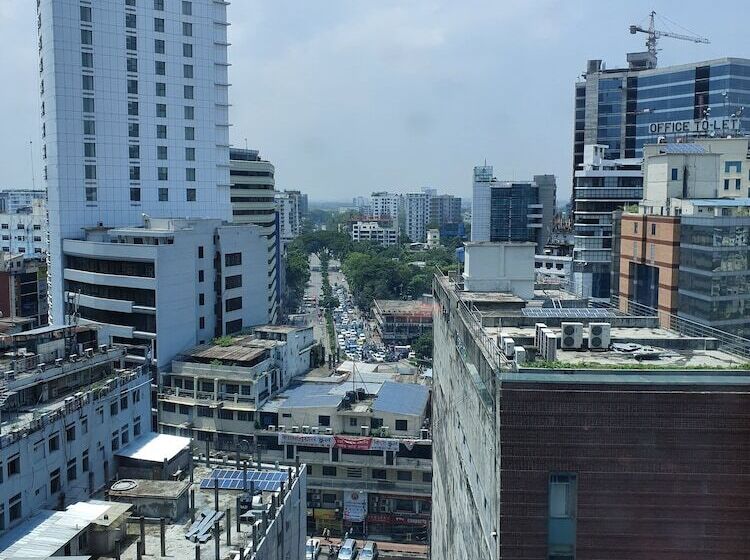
500	267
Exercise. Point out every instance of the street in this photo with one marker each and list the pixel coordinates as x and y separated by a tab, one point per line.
387	550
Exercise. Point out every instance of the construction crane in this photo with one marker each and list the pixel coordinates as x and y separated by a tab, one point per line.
655	34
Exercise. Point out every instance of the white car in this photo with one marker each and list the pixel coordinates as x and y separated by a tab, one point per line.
312	549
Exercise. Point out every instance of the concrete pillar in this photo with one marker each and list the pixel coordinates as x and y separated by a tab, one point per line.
163	536
208	454
142	522
228	526
238	512
216	494
217	544
255	537
138	551
117	550
192	505
216	389
197	551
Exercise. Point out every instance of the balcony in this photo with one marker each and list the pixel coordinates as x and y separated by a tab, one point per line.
371	486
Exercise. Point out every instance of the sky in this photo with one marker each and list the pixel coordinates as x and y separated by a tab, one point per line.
349	96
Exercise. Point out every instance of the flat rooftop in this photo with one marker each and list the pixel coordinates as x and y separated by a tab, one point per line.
153	447
139	488
247	348
283	329
397	306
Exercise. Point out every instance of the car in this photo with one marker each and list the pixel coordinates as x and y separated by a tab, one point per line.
312	549
369	551
348	550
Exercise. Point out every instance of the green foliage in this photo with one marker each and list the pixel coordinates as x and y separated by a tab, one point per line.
223	341
422	347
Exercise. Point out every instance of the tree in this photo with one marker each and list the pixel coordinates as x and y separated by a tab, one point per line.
422	347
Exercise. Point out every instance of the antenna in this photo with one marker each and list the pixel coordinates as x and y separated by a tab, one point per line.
31	156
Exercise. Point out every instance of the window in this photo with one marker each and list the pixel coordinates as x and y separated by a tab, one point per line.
159	46
201	299
113	408
236	282
14	466
87	60
226	414
53	443
87	82
737	184
726	184
233	259
189	133
187	8
159	5
160	67
159	25
86	14
732	166
124	435
426	477
124	402
324	420
72	470
162	173
190	195
86	37
134	151
187	29
403	475
161	131
188	92
167	407
137	426
353	422
115	441
14	505
135	194
133	130
163	194
187	50
161	152
161	110
161	89
132	64
205	411
201	322
379	474
90	172
635	227
376	423
90	194
89	127
88	104
401	425
133	108
131	43
201	276
653	229
132	87
200	251
89	149
135	173
189	113
329	471
675	172
189	154
70	433
187	70
562	494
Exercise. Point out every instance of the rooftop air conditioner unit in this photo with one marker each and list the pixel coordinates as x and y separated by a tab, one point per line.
599	336
305	429
271	428
89	352
103	348
572	336
315	430
58	361
538	327
520	355
364	430
295	429
548	350
509	347
385	431
424	433
281	428
329	431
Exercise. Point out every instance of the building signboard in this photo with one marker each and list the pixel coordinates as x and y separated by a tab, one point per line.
700	126
355	506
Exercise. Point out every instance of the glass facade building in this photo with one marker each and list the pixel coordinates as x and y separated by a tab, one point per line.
509	208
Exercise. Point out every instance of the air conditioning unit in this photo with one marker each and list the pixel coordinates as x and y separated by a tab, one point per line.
295	429
509	347
103	348
329	431
548	345
538	327
599	336
424	433
305	429
89	352
385	431
315	430
571	336
58	361
364	430
281	428
271	428
520	355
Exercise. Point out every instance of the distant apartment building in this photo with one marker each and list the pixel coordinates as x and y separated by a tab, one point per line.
682	251
572	432
600	187
66	409
23	228
401	322
169	284
417	215
362	205
512	210
290	206
385	205
13	200
380	231
23	288
254	202
445	209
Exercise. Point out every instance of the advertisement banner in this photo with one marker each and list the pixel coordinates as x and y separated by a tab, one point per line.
349	442
313	440
381	444
355	506
390	519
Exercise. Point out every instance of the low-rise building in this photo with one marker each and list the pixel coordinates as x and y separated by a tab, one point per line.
401	322
23	228
23	288
378	231
66	408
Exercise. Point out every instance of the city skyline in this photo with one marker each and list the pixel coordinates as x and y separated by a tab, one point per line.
407	65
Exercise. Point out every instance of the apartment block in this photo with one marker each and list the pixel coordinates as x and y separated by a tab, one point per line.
14	200
401	322
379	231
291	206
23	229
385	205
23	288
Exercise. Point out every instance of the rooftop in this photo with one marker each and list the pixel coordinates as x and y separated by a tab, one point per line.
153	447
416	307
128	488
284	329
248	349
402	398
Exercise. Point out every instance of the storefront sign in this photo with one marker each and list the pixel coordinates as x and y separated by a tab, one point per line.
387	519
355	506
313	440
703	126
382	444
346	442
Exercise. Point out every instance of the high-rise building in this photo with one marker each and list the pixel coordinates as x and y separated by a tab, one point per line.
382	232
385	205
291	206
23	288
417	214
512	210
555	443
253	202
445	209
13	200
600	187
134	108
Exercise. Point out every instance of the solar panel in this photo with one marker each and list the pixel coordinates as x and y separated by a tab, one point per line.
231	479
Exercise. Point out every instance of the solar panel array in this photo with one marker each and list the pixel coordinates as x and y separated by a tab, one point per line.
567	312
231	479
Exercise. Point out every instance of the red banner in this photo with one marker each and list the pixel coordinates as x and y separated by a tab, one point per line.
346	442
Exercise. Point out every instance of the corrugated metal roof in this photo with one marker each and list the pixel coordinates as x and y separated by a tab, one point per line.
682	148
402	398
154	447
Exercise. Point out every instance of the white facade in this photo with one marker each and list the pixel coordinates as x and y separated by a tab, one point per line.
385	205
13	200
480	203
289	205
68	452
178	282
134	105
24	230
433	238
375	232
417	211
500	267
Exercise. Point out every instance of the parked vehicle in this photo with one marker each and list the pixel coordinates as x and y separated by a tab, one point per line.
369	551
312	549
348	550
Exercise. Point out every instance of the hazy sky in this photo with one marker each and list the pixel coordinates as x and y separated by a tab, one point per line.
348	96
